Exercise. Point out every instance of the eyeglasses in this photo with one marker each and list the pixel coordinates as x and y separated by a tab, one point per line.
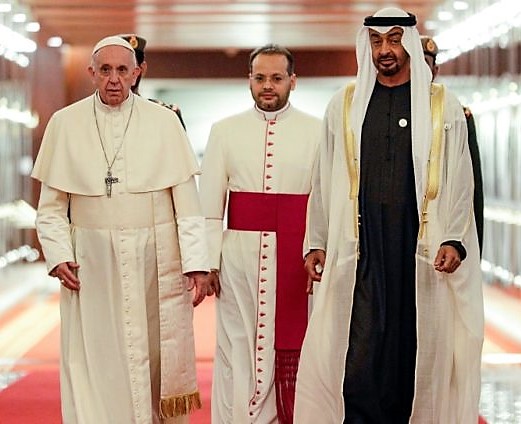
275	79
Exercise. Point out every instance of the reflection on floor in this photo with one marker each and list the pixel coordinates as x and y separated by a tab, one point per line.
29	333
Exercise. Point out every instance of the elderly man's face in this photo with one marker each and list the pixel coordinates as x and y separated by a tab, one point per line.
114	72
389	56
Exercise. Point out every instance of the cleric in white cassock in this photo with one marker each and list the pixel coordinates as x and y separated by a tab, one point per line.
396	331
257	167
119	222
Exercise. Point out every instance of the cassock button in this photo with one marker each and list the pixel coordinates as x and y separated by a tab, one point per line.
270	143
269	165
268	177
402	122
269	155
270	133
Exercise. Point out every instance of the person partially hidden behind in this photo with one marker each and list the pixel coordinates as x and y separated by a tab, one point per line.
138	44
125	237
396	331
430	51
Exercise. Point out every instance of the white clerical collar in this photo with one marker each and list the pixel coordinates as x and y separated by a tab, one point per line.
272	115
122	107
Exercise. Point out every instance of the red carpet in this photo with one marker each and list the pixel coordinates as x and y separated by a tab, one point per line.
33	399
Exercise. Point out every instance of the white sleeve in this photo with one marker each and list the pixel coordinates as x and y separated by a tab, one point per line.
190	227
53	228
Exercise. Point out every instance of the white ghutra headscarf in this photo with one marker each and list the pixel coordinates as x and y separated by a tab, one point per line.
383	21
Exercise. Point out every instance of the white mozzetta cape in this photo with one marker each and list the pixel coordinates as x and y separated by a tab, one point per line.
157	153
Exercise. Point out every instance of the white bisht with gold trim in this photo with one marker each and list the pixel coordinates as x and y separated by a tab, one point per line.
449	306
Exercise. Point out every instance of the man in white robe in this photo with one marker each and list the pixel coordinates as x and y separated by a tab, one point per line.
120	226
396	331
257	168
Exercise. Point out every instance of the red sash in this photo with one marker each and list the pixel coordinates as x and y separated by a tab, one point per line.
284	214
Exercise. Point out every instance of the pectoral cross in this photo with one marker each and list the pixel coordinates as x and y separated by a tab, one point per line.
109	180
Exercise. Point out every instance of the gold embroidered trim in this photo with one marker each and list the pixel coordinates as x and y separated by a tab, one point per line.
433	165
349	145
175	406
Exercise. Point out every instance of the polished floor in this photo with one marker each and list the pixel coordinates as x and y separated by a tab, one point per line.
29	317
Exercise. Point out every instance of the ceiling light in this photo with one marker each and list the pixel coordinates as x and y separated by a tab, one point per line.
460	5
444	15
32	26
19	18
491	23
54	42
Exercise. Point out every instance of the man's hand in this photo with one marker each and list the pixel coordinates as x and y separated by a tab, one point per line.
199	280
314	265
447	260
214	284
67	273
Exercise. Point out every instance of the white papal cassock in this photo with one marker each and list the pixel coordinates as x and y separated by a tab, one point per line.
127	348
